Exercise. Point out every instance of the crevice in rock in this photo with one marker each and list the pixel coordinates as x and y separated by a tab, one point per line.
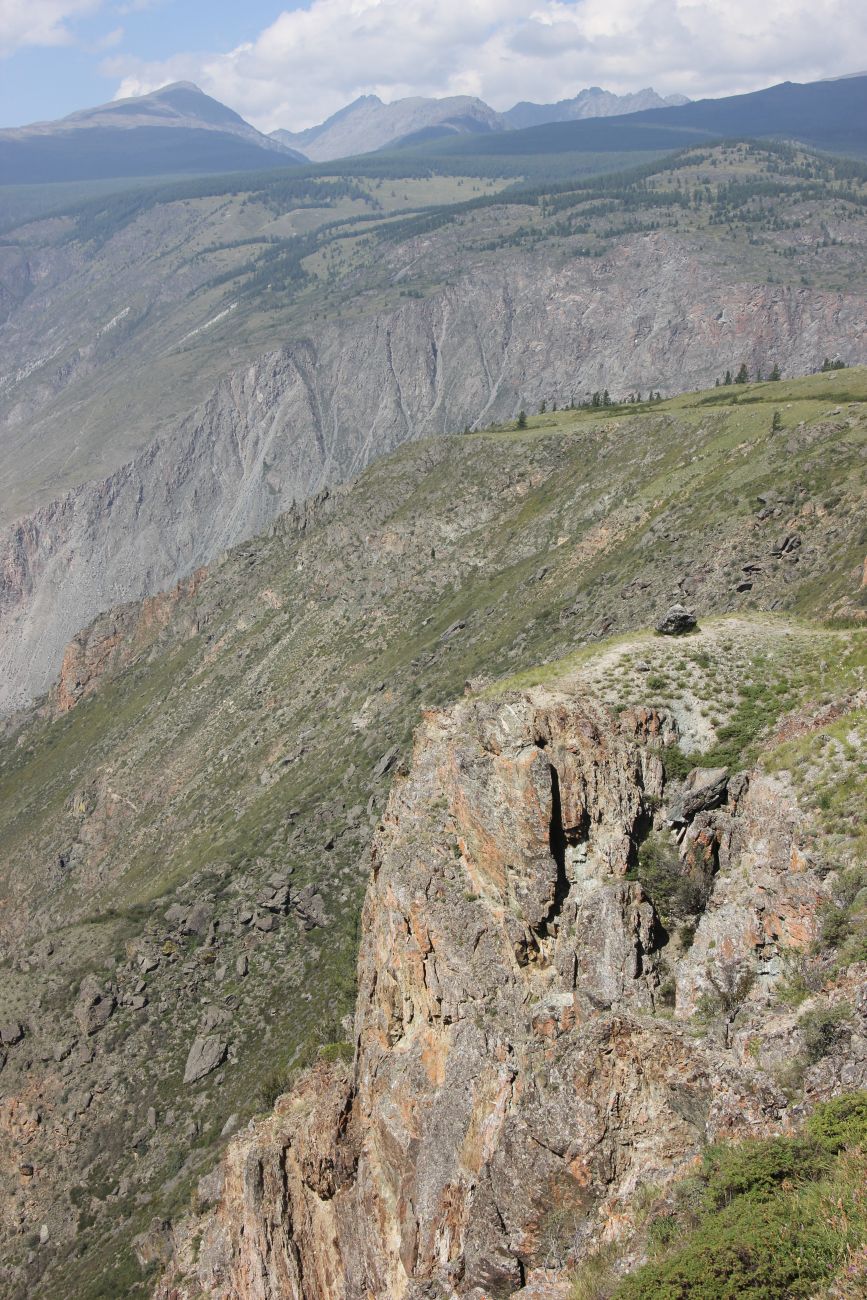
557	840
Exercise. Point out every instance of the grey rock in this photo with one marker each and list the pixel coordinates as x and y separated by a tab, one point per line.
676	621
309	906
210	1186
266	922
207	1053
703	789
274	899
198	919
387	760
95	1006
11	1033
212	1018
241	966
232	1124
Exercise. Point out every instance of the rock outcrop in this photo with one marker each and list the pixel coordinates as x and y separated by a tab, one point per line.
516	1074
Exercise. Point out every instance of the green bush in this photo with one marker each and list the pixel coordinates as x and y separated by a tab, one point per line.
747	1251
660	872
774	1219
822	1029
840	1123
676	764
271	1086
756	1169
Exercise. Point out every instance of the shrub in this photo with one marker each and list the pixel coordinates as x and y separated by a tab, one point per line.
661	874
271	1086
822	1029
769	1219
745	1252
756	1168
841	1122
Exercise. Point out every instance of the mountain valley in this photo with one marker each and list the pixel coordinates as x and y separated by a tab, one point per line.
433	637
394	327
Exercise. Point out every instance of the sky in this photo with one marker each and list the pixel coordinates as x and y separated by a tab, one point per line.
292	64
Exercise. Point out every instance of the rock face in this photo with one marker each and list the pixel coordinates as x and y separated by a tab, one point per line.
513	1081
316	412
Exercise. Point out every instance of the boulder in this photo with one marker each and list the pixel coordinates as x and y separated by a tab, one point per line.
206	1054
198	919
676	621
387	761
704	788
310	907
95	1006
11	1033
274	898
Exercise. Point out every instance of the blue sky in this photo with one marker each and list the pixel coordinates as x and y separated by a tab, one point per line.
40	82
291	64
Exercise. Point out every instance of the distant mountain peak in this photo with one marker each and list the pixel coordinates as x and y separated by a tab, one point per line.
175	128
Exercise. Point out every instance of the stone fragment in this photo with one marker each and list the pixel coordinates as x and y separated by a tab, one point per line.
309	906
94	1007
11	1033
387	760
676	621
241	966
275	899
208	1051
198	919
704	788
266	922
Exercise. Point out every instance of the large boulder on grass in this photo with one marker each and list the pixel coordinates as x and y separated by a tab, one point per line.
676	621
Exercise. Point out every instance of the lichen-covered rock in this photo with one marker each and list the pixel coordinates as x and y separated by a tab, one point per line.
95	1005
676	621
206	1053
512	1085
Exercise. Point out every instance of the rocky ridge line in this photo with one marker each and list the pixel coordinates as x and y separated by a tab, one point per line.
516	1074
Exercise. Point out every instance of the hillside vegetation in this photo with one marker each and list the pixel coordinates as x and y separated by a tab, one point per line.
238	737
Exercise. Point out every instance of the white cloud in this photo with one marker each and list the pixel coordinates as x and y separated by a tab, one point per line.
310	61
40	22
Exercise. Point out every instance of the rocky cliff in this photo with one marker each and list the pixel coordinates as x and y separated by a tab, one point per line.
535	1038
184	827
318	411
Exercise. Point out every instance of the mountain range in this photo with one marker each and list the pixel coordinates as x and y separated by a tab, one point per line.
180	130
367	123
